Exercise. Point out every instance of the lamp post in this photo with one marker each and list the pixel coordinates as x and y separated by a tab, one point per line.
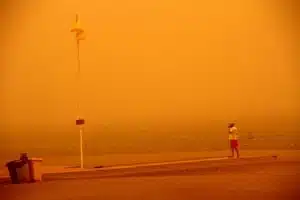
79	121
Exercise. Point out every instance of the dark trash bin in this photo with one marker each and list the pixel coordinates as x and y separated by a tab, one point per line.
13	165
12	169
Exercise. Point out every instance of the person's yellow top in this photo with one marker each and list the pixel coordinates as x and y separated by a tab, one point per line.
233	135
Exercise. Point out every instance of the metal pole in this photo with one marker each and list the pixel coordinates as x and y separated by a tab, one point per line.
80	121
78	103
81	146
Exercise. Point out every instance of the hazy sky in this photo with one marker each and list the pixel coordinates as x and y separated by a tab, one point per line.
146	63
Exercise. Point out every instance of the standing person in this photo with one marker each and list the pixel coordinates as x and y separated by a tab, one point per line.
233	140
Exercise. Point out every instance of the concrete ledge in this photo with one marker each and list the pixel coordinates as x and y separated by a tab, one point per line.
182	167
163	168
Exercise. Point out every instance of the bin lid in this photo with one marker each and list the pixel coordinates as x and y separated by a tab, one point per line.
36	159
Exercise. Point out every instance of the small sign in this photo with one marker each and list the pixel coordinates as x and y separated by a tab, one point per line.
80	121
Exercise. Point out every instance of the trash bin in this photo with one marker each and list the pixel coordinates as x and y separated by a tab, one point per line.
23	173
35	169
31	171
13	167
25	170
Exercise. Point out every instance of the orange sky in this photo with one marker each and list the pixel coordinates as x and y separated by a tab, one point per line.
146	63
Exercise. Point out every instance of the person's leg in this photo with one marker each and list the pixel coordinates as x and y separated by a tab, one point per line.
232	149
237	152
232	152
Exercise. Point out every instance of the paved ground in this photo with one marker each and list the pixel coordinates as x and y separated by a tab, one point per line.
269	180
203	165
55	163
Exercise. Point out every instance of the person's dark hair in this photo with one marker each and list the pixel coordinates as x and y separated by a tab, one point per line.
230	125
